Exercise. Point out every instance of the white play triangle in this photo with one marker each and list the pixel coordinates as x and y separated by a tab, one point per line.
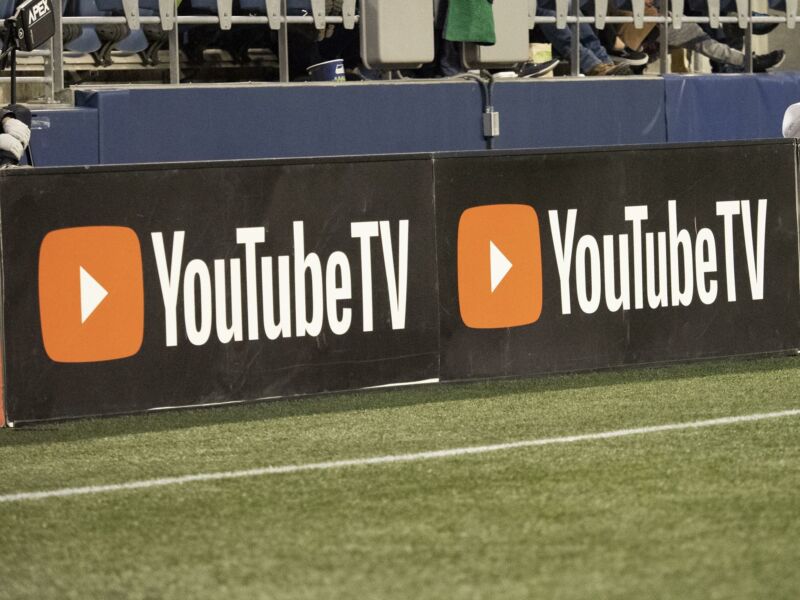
499	265
92	294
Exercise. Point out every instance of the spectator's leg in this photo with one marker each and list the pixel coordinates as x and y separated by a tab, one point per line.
591	42
692	37
560	39
450	59
632	37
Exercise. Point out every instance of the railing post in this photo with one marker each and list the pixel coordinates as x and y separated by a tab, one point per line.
166	12
224	13
575	46
174	55
638	13
274	14
57	55
349	14
663	37
748	38
677	12
318	11
131	9
600	12
283	45
713	13
562	7
742	12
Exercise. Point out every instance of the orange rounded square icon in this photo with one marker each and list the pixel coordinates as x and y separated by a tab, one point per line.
91	294
499	266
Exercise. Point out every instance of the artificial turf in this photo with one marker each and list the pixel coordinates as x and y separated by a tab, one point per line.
707	513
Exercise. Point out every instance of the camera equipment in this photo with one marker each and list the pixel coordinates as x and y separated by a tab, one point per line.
32	24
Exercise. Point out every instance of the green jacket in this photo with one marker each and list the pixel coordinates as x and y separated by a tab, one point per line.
470	21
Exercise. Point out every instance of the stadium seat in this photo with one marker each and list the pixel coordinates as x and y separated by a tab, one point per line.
131	42
511	25
398	34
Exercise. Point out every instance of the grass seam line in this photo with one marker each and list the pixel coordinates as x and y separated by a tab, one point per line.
392	458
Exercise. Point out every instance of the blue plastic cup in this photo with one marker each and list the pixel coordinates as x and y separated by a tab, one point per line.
330	70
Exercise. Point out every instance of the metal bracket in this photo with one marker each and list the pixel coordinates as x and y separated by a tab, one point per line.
224	12
600	12
349	14
131	8
638	13
562	8
791	13
531	14
274	14
318	9
677	13
741	12
713	13
166	11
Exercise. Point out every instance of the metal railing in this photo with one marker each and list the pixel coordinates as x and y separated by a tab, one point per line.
277	19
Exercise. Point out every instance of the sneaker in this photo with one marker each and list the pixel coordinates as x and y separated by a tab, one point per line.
505	75
763	28
762	62
530	70
606	69
734	33
626	56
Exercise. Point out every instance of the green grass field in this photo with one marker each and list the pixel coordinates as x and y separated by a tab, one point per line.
709	512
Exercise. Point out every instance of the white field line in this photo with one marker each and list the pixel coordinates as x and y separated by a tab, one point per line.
395	458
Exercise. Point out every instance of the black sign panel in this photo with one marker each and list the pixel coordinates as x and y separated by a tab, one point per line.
568	261
131	288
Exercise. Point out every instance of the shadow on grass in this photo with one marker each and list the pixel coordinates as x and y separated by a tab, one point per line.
369	400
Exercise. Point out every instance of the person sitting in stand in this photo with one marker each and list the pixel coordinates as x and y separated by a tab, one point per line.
16	123
594	59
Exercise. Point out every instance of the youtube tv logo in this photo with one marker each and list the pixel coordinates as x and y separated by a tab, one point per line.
91	294
499	266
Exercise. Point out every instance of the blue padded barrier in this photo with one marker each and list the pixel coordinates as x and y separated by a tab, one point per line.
64	137
370	119
271	120
728	107
556	113
232	122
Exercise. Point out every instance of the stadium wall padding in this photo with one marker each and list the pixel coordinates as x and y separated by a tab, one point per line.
130	288
65	137
723	107
249	121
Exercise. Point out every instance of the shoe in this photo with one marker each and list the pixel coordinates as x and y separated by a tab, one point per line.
762	62
606	69
563	69
763	28
530	70
505	75
734	33
626	56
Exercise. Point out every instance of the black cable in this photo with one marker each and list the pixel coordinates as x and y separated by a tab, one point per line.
486	85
